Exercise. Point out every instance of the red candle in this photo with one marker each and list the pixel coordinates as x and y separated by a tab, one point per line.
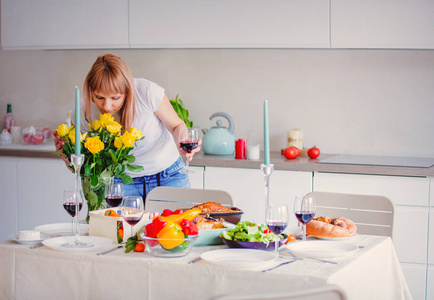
240	149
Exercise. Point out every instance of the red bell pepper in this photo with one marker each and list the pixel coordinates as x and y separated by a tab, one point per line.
158	224
189	228
167	212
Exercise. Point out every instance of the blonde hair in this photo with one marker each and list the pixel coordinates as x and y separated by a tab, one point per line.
110	74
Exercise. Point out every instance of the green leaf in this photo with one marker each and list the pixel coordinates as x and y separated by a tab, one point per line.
87	169
135	168
94	180
129	159
126	179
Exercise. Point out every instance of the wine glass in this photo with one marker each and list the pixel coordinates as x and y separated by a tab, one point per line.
188	140
304	209
276	217
113	192
132	210
70	204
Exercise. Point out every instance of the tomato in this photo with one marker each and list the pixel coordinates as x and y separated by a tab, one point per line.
291	152
291	238
313	152
140	247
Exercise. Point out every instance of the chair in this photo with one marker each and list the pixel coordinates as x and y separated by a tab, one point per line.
327	292
372	214
173	198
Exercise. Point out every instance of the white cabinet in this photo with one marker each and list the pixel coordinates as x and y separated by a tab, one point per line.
40	194
430	283
229	24
247	188
51	24
196	178
431	237
415	275
8	196
382	24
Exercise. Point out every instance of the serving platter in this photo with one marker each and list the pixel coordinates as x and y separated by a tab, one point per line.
345	238
238	258
62	229
96	242
15	238
321	249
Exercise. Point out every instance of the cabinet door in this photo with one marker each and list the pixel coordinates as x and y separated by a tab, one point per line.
410	195
196	178
382	24
247	188
51	24
40	192
430	283
431	237
415	275
229	24
8	196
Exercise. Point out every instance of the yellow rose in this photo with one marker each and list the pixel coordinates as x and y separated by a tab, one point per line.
136	133
105	119
128	139
96	125
113	127
118	143
71	136
94	144
63	130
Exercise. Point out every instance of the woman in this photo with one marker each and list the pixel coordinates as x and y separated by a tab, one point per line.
110	88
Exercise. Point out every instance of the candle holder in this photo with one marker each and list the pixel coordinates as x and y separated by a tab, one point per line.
77	161
267	170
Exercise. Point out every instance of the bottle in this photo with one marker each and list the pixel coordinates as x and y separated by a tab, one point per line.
9	118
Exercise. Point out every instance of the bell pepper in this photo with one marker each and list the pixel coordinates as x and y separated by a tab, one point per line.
158	224
188	215
171	231
167	212
189	227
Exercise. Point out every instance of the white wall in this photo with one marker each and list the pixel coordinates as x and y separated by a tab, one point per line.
347	101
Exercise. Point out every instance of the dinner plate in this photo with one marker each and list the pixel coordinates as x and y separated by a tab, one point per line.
60	229
238	258
96	242
14	237
321	249
334	238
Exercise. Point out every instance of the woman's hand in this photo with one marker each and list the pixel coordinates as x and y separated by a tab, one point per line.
189	156
59	143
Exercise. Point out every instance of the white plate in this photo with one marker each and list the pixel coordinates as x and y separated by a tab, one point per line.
238	258
321	249
335	238
96	242
14	237
62	229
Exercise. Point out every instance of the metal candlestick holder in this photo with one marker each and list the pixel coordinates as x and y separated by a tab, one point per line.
267	170
77	161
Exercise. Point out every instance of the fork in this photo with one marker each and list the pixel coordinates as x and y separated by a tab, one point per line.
318	259
281	264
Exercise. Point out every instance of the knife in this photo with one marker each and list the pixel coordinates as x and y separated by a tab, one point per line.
110	250
281	264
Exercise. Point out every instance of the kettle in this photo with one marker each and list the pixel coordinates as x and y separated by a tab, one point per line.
219	140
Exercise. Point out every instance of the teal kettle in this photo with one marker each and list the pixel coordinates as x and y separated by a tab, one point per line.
219	140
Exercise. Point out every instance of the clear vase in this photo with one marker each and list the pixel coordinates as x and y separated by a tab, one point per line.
94	195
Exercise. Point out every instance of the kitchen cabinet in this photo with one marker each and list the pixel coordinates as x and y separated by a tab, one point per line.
51	24
196	178
229	24
8	196
430	283
382	24
247	188
416	277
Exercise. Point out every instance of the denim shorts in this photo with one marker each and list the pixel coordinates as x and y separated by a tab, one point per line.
168	177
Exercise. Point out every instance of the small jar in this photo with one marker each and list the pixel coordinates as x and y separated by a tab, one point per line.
295	138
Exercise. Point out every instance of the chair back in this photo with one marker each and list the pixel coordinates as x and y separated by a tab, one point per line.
327	292
173	198
372	214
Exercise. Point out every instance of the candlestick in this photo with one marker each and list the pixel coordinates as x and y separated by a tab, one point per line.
266	135
77	122
267	170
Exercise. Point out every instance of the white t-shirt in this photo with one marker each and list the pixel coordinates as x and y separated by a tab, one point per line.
157	151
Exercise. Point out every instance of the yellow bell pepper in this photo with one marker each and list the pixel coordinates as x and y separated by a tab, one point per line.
187	215
171	231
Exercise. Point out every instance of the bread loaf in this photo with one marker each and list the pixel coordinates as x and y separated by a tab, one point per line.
331	227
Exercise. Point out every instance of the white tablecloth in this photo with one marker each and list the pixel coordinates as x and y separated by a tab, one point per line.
372	272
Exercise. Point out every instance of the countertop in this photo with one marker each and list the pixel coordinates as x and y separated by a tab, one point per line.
279	161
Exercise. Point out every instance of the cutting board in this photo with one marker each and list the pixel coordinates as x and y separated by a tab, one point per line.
370	160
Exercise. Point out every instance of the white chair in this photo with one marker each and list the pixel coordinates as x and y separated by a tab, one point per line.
372	214
173	198
327	292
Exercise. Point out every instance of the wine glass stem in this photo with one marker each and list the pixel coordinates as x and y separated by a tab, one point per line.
304	232
186	164
276	246
131	231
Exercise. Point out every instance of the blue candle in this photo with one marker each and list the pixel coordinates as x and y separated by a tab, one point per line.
77	121
266	135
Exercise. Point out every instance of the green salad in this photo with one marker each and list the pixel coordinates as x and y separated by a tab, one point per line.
246	231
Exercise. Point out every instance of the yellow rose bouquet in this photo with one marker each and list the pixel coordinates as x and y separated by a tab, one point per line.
106	151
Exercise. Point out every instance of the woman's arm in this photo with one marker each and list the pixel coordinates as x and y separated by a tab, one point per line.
173	122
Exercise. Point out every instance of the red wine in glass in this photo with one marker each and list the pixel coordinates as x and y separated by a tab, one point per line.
113	201
304	216
188	145
70	208
132	220
277	227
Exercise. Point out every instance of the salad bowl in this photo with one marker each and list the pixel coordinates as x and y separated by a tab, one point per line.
251	245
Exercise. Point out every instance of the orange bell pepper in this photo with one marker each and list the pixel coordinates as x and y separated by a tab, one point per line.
171	231
187	215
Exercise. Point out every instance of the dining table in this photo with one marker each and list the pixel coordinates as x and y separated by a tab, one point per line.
372	271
